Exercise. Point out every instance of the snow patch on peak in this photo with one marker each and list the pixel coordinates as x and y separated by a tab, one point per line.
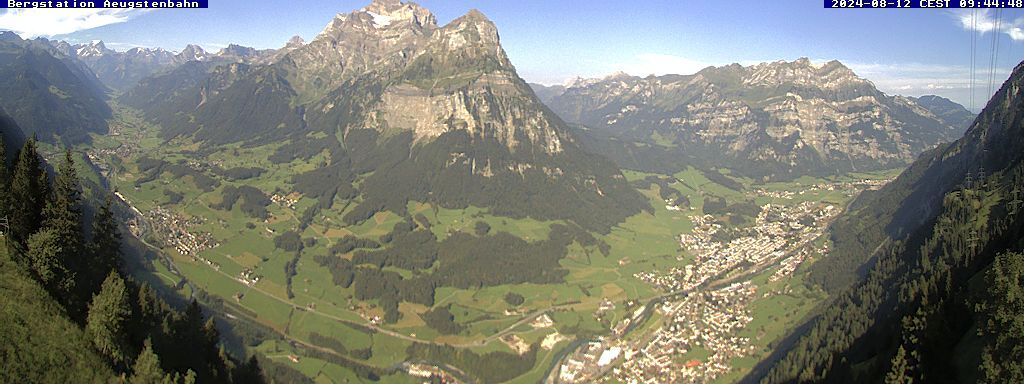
380	21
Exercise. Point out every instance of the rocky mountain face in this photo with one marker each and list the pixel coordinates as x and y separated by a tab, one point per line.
437	113
771	120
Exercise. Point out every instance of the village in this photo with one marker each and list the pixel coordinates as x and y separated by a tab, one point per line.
174	230
705	304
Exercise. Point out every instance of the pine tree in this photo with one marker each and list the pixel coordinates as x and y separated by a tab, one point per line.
43	258
249	372
108	317
105	246
63	216
899	373
5	182
147	367
29	190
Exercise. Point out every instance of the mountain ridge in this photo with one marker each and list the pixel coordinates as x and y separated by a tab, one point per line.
776	119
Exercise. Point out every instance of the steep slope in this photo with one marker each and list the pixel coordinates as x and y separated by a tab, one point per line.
429	113
11	134
771	120
39	343
932	259
47	96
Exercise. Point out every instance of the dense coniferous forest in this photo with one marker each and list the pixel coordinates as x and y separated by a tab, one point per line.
74	313
462	260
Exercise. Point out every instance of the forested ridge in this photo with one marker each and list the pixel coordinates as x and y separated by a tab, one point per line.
71	310
936	265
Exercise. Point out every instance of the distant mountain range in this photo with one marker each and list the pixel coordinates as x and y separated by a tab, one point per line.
771	120
122	70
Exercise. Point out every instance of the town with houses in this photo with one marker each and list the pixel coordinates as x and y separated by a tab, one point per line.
706	303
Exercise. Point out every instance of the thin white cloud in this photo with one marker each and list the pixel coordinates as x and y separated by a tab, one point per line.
916	79
32	23
986	20
661	64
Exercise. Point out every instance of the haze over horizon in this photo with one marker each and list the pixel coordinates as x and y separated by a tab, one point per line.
908	52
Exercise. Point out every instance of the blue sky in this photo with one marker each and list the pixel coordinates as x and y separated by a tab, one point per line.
911	52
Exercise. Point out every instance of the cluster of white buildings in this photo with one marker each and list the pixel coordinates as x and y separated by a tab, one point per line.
173	229
777	231
249	277
709	321
284	200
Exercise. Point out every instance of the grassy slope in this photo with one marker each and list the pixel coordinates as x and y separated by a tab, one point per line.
38	343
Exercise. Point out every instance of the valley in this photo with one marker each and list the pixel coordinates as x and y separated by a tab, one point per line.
707	252
387	199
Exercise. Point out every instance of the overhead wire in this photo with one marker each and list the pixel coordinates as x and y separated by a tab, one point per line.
995	53
974	51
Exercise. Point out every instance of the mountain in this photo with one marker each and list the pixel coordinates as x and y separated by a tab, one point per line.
547	92
771	120
50	95
192	52
948	111
927	272
119	70
238	53
425	112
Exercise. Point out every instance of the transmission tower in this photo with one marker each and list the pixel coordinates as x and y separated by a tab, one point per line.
1015	201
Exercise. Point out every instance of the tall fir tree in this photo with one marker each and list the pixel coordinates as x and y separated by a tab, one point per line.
63	215
105	246
29	191
5	184
147	367
108	319
899	373
43	259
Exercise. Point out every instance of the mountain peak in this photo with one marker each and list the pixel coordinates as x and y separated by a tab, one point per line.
618	75
192	52
95	48
9	36
295	42
475	21
388	12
